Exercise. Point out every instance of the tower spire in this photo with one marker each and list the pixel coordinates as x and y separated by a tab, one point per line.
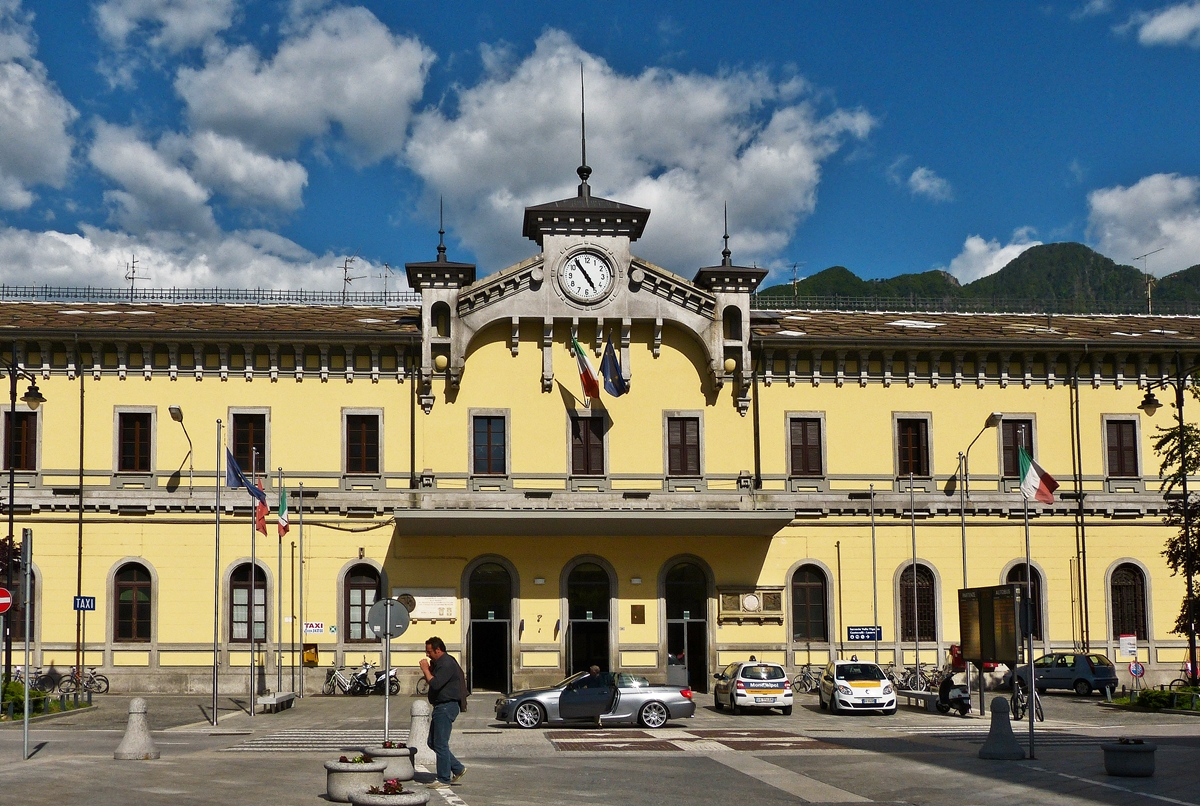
441	250
584	171
725	253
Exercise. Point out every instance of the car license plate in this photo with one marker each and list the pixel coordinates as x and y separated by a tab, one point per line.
764	699
871	701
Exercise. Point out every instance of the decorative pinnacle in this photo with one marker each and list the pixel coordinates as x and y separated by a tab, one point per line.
441	250
584	171
725	253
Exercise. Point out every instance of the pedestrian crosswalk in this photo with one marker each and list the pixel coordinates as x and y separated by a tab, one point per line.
312	740
1046	735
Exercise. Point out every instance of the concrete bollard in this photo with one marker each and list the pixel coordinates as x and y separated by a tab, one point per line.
137	744
421	714
1001	744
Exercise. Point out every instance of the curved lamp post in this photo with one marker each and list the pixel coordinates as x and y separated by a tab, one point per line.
177	416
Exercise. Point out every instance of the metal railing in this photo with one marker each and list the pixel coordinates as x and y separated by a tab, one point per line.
913	304
246	296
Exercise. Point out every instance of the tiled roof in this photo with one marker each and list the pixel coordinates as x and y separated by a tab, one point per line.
1014	330
64	319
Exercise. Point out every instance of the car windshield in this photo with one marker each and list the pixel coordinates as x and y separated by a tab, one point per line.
631	681
1100	660
569	680
763	672
859	671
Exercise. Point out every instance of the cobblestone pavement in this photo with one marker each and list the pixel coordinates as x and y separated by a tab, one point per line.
713	758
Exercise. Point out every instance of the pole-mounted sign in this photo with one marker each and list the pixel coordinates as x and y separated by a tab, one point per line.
5	600
85	602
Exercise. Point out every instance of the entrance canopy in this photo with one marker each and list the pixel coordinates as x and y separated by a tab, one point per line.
570	523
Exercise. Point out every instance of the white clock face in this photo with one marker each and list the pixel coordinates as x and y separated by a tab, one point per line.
586	276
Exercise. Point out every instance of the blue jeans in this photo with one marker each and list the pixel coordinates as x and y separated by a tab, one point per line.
444	714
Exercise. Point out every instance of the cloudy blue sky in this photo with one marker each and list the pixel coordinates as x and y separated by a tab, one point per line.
241	144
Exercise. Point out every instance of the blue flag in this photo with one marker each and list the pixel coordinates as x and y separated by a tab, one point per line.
234	477
610	368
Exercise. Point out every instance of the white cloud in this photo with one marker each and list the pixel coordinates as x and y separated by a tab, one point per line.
924	182
168	25
1092	8
159	194
979	258
1174	25
247	177
341	70
1160	210
681	144
35	144
244	259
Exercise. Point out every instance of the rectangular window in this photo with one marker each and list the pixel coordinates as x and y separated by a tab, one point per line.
587	446
912	443
1013	435
804	435
683	446
489	445
1122	449
133	454
20	440
250	433
362	443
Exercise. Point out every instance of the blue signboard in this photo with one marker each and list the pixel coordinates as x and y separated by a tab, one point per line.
85	602
864	633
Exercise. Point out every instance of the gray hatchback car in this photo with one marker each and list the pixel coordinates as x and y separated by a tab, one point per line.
1084	673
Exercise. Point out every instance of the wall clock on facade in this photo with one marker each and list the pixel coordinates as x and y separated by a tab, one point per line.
586	276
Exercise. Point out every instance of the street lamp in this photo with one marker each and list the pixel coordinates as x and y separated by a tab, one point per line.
33	398
1149	405
964	491
177	416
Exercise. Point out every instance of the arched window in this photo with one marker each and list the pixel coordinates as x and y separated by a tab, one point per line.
133	598
1128	589
808	605
731	322
926	605
239	609
362	589
440	312
1016	575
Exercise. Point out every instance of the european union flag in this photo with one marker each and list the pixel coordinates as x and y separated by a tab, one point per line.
610	368
234	477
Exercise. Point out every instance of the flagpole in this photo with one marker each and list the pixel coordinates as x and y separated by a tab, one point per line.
300	517
912	512
279	591
1028	606
253	590
217	584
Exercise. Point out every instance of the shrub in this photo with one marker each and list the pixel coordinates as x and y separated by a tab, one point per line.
1153	698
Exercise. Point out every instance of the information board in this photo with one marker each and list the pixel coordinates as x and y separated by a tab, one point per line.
432	604
1127	646
864	633
987	622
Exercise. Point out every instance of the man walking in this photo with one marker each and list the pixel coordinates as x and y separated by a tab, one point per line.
448	696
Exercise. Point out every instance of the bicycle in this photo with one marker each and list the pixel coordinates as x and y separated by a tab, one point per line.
334	680
93	682
1019	702
1184	680
44	682
807	681
422	686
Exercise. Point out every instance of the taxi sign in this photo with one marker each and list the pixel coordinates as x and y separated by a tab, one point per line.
85	602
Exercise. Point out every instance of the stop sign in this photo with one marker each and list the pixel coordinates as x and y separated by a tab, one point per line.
5	600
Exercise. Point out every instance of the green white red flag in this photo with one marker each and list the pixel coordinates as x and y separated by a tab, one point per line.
587	375
1035	482
283	513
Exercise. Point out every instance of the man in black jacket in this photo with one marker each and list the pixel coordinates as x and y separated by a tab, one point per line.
447	695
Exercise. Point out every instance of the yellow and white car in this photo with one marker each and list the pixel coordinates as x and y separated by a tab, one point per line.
857	686
752	684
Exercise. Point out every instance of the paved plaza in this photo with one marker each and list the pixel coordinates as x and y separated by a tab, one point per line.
714	758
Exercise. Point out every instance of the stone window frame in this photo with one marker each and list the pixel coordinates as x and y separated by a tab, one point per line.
116	440
363	411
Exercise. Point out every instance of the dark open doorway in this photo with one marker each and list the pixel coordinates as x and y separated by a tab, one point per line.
686	594
489	637
589	596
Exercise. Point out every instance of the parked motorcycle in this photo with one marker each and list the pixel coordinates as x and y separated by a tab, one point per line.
364	684
953	696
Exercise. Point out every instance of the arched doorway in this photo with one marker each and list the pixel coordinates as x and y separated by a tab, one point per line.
1016	575
685	591
589	595
488	637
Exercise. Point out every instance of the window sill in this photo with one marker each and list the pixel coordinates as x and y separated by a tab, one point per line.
687	484
485	482
808	484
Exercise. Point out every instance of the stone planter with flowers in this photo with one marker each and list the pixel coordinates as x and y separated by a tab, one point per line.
351	776
392	793
399	758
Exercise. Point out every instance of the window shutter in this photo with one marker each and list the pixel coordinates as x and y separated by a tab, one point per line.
595	433
674	446
692	434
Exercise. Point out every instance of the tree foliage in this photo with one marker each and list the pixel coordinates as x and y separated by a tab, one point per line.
1174	464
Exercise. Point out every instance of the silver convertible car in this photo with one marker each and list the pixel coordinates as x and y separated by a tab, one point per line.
609	699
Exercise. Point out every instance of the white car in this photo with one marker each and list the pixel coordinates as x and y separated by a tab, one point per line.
752	684
857	686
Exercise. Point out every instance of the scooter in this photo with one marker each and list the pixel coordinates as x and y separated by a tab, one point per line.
954	696
363	684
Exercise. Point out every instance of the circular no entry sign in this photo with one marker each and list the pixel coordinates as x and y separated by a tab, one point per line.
5	600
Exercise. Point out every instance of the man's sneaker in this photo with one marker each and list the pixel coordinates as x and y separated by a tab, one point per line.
454	779
437	785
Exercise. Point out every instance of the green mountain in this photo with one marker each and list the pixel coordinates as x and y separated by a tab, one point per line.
1063	275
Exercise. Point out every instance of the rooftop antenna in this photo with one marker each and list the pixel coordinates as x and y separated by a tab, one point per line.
385	275
131	274
1149	279
346	278
584	171
725	253
796	275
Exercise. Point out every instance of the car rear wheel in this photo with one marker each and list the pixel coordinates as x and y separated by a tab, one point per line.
1083	688
653	715
528	715
787	710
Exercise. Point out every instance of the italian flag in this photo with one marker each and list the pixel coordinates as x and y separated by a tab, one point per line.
283	514
1035	482
587	376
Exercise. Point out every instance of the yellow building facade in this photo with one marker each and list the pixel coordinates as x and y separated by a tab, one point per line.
768	480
